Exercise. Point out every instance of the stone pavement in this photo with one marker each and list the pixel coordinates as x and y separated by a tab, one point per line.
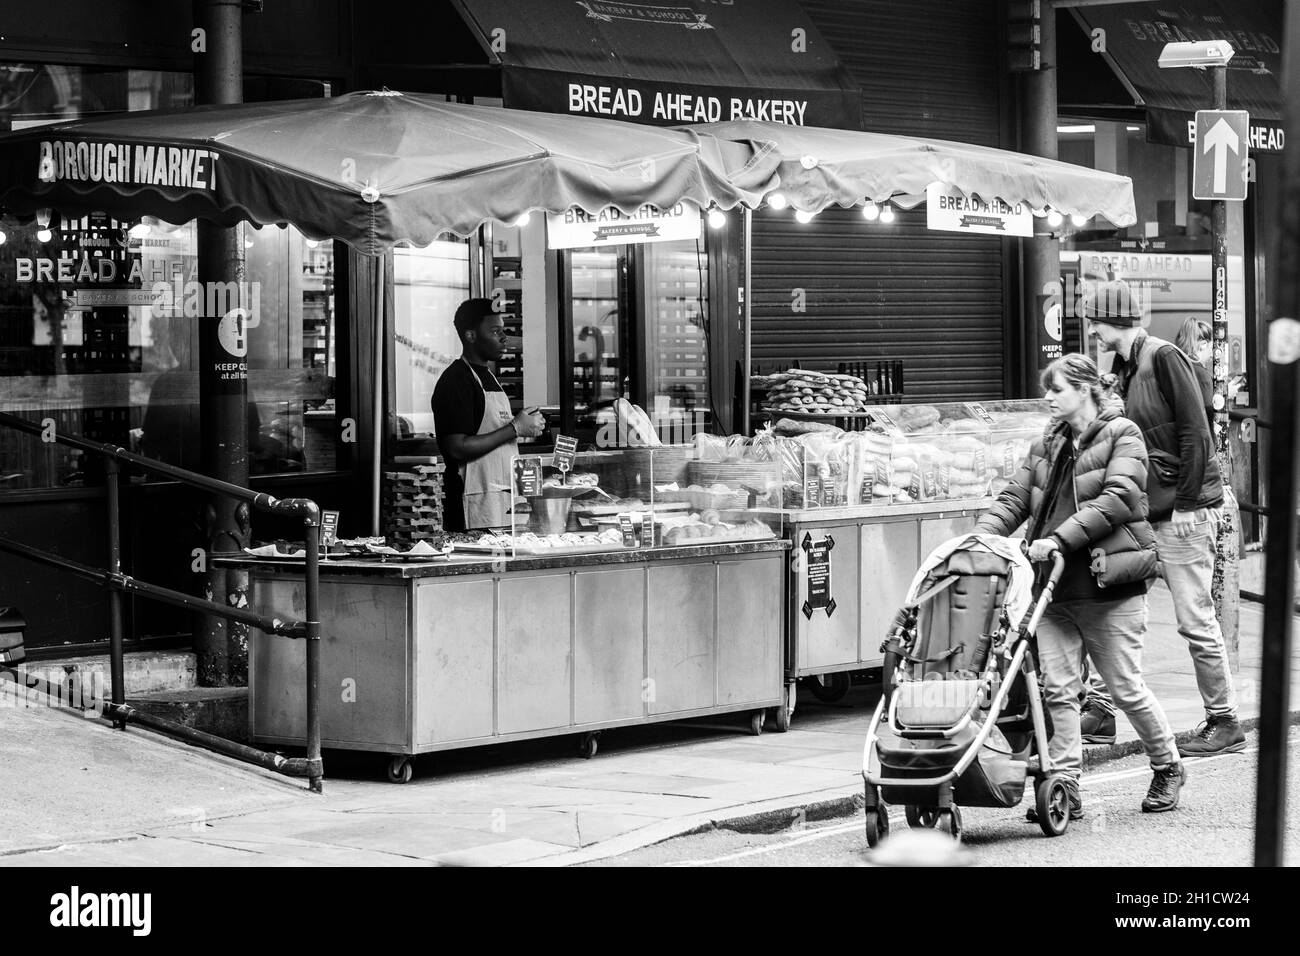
74	792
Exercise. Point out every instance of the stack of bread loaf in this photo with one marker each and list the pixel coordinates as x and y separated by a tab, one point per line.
818	393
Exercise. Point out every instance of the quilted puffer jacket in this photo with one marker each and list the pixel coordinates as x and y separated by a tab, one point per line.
1109	486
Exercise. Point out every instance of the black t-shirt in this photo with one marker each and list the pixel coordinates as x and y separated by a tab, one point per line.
458	408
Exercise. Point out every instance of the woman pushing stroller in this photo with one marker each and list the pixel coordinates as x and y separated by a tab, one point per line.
1082	488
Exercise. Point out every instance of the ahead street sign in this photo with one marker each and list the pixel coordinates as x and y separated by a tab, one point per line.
1219	169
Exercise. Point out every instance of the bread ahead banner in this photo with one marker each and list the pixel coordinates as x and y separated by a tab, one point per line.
667	63
951	210
576	229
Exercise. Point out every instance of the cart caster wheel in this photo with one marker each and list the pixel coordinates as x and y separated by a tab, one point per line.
920	818
830	688
877	822
781	717
948	820
587	746
756	722
1053	805
400	770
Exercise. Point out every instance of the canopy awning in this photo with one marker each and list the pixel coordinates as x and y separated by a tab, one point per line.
371	169
825	167
1135	33
666	63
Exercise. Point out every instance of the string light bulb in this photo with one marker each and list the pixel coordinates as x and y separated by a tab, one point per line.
777	201
1078	220
3	237
871	212
44	235
311	243
887	214
139	230
804	217
717	218
523	220
1054	219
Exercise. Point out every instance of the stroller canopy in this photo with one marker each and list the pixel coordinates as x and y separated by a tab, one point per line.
1019	593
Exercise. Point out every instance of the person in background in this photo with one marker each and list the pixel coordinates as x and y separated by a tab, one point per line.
1184	493
476	430
1197	342
1081	488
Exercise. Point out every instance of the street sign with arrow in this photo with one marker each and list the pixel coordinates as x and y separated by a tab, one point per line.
1222	141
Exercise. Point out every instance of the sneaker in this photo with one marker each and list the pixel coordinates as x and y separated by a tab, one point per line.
1097	726
1076	807
1217	735
1163	793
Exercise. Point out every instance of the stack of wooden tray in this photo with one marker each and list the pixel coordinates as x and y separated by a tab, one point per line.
413	503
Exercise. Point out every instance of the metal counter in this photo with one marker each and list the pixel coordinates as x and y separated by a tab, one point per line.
431	656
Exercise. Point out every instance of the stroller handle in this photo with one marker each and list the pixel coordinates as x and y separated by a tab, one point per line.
1045	598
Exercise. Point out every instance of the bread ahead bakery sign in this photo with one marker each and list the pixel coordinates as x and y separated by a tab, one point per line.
575	228
702	61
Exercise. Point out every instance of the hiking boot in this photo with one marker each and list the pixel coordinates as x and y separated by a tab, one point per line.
1217	735
1076	806
1166	783
1097	726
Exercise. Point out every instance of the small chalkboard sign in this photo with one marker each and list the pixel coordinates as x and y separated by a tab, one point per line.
528	477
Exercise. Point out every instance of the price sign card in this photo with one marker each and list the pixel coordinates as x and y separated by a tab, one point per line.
329	527
565	450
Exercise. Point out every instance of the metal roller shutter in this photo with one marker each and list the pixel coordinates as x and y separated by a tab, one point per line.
933	299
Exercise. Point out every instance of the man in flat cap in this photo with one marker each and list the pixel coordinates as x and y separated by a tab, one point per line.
1184	495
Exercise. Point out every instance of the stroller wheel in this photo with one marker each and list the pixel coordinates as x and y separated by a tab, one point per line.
948	820
877	822
920	818
1053	805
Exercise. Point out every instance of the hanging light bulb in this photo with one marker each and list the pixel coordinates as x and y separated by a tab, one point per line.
3	237
523	220
248	243
311	243
139	230
871	212
804	217
717	218
44	235
887	214
1078	221
1054	219
777	201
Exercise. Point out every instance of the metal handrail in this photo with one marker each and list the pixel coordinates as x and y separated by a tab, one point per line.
116	582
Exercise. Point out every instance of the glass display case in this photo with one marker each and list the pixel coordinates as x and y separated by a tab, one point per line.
908	454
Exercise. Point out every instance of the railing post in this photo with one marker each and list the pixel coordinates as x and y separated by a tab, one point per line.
117	669
316	776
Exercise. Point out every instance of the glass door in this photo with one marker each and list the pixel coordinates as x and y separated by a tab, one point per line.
596	339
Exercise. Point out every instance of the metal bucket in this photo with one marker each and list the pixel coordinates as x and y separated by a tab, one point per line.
549	515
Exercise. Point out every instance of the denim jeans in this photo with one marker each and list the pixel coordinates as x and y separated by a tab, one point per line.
1188	568
1188	565
1111	634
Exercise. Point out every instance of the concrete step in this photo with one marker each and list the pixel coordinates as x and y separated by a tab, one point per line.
222	711
144	672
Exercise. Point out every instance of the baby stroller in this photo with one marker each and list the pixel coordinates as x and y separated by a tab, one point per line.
961	721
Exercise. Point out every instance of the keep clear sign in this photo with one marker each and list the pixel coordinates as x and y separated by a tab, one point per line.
818	562
950	210
576	228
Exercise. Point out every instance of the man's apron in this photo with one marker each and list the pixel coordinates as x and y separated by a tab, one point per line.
488	480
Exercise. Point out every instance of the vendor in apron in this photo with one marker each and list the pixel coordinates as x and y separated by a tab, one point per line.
477	432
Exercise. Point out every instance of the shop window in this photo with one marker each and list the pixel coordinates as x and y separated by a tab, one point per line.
1165	257
97	336
636	326
429	283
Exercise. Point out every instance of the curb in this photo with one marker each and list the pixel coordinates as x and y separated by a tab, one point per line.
773	816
